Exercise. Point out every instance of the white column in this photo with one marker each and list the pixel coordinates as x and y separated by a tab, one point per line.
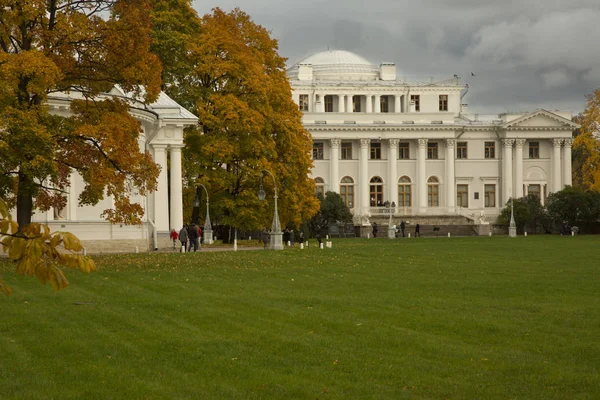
397	105
519	167
393	170
161	196
556	181
406	103
363	174
422	175
341	103
450	186
176	195
567	163
378	103
507	178
334	172
73	200
369	103
349	105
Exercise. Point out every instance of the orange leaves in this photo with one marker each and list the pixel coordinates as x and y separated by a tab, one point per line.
40	253
586	146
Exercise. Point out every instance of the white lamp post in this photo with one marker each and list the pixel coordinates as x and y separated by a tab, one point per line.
207	232
276	235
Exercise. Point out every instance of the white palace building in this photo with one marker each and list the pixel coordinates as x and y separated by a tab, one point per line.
380	139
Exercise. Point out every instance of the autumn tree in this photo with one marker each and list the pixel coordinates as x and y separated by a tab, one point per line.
586	147
80	49
236	83
83	48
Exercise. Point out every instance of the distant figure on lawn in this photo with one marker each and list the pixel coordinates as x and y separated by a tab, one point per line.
402	227
183	237
265	237
174	236
417	231
193	237
375	229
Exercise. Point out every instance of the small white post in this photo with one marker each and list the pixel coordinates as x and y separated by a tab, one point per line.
572	233
289	243
368	235
330	245
525	233
307	244
182	249
448	234
137	249
301	246
84	251
490	234
249	237
409	235
321	245
326	237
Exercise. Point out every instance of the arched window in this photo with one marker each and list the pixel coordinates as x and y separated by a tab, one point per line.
319	186
404	197
433	192
376	191
347	191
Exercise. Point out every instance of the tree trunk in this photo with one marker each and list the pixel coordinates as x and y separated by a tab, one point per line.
24	202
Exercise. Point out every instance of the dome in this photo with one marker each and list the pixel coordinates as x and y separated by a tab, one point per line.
336	65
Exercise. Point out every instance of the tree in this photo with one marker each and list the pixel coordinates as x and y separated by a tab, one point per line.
574	205
333	210
586	147
39	253
237	85
528	213
83	48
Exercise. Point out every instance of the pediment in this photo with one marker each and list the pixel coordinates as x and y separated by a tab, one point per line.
541	119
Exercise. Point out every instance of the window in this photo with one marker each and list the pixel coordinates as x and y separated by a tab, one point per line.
490	150
433	192
328	103
356	103
432	151
303	102
375	151
404	197
347	191
346	151
490	196
415	98
317	151
403	151
443	102
385	104
376	191
534	190
462	195
461	150
319	186
534	149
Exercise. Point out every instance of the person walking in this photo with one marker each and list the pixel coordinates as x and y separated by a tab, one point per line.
265	237
375	229
402	227
193	237
183	237
174	236
417	231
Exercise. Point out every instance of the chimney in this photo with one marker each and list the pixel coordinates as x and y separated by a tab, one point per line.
305	72
387	72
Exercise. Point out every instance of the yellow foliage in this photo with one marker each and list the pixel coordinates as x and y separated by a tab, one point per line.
587	143
39	252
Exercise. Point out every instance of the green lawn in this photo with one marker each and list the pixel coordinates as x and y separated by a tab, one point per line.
432	318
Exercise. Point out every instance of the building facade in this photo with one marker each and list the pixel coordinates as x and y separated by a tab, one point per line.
162	124
382	140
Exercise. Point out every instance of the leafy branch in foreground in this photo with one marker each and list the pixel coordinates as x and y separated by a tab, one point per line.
39	252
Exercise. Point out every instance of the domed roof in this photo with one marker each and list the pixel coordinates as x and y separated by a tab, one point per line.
335	65
335	57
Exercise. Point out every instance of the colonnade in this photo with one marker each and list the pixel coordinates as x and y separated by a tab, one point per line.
560	173
512	171
345	102
168	213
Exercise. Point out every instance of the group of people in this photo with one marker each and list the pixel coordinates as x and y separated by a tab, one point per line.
190	237
402	229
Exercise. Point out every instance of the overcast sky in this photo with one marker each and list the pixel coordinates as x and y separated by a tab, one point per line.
525	54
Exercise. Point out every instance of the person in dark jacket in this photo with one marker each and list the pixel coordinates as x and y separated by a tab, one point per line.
417	231
375	229
183	237
402	227
265	237
193	237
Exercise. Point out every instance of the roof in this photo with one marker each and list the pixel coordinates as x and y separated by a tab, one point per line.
335	62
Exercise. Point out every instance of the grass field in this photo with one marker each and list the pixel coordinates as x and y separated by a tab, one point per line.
439	318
